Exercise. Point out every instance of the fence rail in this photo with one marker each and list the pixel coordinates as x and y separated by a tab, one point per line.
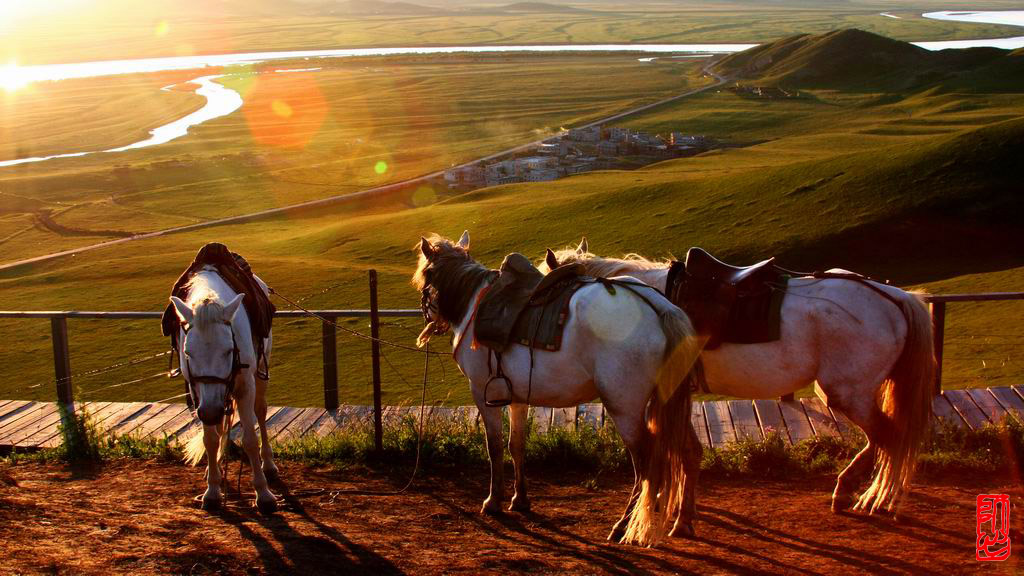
937	303
329	343
62	357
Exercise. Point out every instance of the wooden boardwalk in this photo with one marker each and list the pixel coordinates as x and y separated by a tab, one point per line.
32	425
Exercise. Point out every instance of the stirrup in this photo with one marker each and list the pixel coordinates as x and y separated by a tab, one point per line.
504	401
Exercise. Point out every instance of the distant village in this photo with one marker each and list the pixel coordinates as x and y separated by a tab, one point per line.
576	151
765	92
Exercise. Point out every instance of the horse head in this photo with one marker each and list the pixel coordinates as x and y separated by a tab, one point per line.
446	277
210	353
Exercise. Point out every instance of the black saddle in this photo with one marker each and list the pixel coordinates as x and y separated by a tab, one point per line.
701	264
526	307
728	303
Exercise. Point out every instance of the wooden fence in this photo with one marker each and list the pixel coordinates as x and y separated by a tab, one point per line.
62	357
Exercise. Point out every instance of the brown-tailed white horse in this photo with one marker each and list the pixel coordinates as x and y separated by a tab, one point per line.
639	359
219	360
867	345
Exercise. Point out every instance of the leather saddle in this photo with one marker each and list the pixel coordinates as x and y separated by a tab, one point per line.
523	306
701	264
728	303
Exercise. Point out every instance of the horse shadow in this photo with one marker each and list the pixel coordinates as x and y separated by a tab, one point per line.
547	536
854	559
288	551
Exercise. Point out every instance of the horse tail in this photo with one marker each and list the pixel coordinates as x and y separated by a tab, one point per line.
668	423
906	401
195	449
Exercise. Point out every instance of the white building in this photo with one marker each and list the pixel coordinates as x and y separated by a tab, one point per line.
588	134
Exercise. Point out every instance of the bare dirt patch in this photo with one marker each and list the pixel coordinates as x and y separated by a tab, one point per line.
138	517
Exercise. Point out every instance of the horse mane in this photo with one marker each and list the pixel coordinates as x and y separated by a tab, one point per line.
209	307
608	267
454	274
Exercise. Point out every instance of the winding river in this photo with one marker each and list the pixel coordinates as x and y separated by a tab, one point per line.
221	101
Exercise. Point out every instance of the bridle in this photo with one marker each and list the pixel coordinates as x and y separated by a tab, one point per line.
228	382
431	310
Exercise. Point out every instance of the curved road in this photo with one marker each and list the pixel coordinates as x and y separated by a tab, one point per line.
354	195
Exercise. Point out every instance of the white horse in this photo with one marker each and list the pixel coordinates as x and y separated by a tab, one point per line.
638	358
218	357
868	346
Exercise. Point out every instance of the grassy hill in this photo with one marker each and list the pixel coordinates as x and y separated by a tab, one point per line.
853	59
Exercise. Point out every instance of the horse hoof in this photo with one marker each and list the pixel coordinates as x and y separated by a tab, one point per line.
683	531
490	510
616	534
266	507
841	504
521	506
211	504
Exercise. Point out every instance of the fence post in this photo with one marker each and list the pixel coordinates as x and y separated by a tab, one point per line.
378	426
62	363
330	346
938	335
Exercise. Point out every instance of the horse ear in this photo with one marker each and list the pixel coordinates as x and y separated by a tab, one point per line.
232	307
583	248
464	240
551	260
182	310
426	248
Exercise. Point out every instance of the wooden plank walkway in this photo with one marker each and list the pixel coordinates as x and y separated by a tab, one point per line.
26	425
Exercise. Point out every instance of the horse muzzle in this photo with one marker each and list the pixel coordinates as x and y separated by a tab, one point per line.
211	415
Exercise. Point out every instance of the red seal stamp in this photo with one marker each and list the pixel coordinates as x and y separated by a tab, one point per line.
993	535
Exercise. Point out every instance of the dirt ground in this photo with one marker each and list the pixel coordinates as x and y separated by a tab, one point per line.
137	517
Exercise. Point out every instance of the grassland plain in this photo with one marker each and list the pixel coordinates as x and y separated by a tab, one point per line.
112	28
917	186
299	136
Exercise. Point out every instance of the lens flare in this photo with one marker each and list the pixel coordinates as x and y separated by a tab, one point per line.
380	167
424	196
281	108
285	110
161	29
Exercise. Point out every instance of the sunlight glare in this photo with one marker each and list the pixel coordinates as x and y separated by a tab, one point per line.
13	77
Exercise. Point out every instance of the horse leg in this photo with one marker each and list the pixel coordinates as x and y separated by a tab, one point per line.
683	527
852	477
495	453
870	418
634	436
517	447
260	405
265	501
211	441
